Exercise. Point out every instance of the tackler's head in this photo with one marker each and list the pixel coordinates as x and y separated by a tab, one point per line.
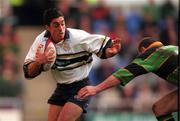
147	43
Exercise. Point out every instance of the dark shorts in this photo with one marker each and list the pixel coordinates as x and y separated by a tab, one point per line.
67	93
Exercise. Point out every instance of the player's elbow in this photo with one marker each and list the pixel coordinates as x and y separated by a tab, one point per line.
26	73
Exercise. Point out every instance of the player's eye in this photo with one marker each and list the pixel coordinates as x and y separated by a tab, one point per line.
55	25
62	24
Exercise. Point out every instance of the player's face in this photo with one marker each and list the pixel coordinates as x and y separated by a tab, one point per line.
57	29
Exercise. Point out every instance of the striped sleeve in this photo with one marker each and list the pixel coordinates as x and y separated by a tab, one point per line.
95	43
162	62
129	72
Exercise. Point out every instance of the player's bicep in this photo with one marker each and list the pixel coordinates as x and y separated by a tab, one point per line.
129	72
136	69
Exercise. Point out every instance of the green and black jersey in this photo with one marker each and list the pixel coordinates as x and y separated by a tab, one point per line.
163	61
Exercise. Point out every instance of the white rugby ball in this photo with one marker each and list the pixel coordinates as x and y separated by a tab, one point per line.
49	45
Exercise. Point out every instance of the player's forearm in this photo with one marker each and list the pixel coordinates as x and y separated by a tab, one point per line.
32	70
108	83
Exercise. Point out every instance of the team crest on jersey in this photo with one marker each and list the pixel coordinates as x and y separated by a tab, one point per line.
66	46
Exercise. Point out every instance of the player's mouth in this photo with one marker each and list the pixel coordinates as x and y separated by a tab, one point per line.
61	33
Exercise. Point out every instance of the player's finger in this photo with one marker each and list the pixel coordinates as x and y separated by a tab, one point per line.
39	47
85	96
37	55
51	59
112	50
81	93
38	50
82	90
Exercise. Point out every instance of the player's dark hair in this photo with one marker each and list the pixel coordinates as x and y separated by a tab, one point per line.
50	14
146	41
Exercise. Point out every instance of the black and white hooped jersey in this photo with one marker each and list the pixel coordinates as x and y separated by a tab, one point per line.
74	54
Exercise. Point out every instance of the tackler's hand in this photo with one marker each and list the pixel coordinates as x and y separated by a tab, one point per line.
87	91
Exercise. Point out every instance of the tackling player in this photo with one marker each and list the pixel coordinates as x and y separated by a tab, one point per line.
156	58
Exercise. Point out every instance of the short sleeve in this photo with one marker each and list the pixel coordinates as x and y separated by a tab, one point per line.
129	72
95	43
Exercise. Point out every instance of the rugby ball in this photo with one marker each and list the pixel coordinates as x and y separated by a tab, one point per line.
49	45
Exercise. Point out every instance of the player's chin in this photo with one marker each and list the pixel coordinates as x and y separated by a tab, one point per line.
61	36
58	39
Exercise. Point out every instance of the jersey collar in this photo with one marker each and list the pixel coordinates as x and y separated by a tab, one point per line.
66	36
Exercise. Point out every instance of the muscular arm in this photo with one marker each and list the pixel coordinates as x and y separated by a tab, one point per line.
121	76
32	69
111	81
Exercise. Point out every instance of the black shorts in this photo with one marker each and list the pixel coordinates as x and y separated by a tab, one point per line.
67	93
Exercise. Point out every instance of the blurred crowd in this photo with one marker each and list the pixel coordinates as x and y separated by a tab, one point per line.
10	82
130	24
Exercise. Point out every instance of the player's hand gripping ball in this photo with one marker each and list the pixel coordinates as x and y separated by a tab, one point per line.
47	54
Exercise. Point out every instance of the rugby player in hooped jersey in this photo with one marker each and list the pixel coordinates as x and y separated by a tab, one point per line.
156	58
74	49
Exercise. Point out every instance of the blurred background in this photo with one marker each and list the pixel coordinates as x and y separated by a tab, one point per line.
21	22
